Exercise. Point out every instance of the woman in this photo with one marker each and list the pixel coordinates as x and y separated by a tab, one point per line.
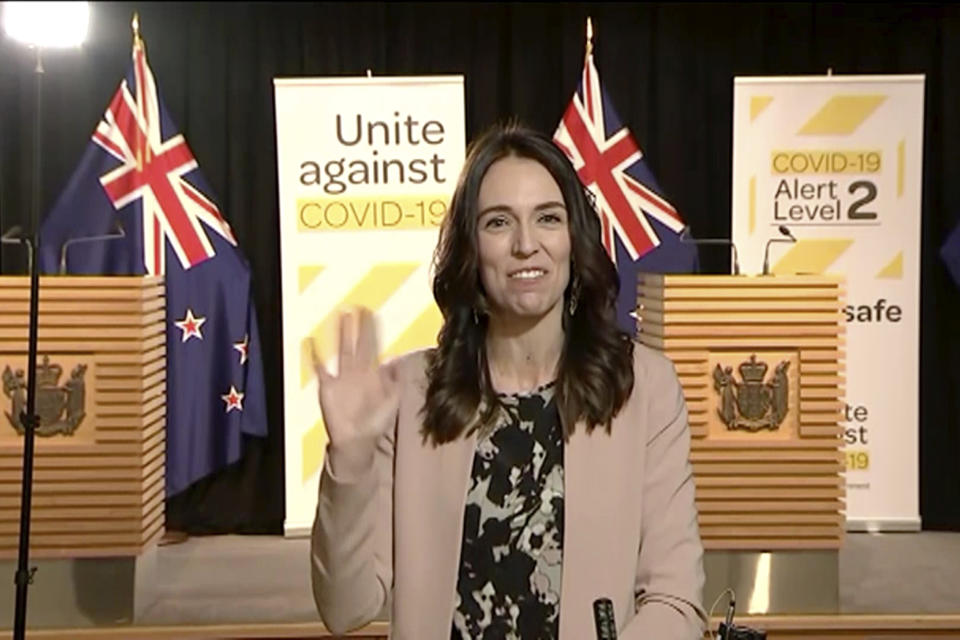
535	461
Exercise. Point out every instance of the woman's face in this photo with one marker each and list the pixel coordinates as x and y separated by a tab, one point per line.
523	239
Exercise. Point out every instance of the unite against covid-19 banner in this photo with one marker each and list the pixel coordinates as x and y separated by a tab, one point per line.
366	170
837	160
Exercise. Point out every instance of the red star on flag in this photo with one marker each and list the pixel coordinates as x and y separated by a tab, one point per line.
234	399
242	348
190	326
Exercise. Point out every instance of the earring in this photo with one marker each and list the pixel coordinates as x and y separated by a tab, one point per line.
574	295
476	317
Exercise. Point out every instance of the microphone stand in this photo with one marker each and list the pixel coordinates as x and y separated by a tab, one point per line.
685	238
29	418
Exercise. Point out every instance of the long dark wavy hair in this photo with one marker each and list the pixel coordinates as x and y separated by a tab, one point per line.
595	372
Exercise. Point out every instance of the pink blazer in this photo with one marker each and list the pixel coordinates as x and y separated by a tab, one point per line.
389	539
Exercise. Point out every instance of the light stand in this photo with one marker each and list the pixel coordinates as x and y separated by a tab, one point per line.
38	25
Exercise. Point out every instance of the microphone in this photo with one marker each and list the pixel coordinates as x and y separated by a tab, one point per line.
686	238
118	233
14	235
766	251
603	619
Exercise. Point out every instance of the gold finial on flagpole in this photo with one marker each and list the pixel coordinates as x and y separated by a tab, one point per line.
137	42
589	36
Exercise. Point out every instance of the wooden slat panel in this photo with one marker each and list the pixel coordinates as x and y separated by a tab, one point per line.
786	281
85	318
115	333
812	380
42	502
760	306
759	455
747	343
736	293
74	345
807	367
106	487
816	405
138	356
691	368
740	330
68	540
785	531
831	356
75	513
151	499
774	544
784	519
769	481
760	493
767	445
820	393
120	415
708	468
157	378
141	371
700	317
47	462
74	526
778	506
54	307
820	431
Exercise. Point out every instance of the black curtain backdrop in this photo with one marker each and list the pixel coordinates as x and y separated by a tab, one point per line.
669	69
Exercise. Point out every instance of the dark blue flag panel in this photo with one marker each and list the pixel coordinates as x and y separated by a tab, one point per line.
138	171
950	253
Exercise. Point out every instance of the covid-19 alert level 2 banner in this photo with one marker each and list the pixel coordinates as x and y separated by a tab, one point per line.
366	168
837	160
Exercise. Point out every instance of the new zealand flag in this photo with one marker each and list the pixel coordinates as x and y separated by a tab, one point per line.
640	229
139	171
950	253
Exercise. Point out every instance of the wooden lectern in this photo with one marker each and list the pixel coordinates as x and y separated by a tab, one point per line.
99	466
761	364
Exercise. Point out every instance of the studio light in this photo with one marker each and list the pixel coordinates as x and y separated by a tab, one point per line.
48	25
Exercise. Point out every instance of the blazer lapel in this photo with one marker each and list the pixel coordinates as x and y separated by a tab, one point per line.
456	462
576	533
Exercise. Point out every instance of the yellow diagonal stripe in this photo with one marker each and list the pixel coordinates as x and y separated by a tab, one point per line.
314	444
306	275
753	205
841	115
758	104
901	162
811	255
894	268
422	332
372	291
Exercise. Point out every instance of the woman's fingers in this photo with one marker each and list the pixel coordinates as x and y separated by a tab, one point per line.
367	348
322	374
348	341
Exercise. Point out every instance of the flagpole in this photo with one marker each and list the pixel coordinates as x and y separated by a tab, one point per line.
589	47
138	46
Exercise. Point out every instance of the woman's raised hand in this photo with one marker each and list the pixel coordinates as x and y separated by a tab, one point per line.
359	403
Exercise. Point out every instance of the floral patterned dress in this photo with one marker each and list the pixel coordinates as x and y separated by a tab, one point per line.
510	555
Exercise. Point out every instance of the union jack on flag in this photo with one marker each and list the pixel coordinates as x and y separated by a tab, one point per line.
152	169
137	169
640	229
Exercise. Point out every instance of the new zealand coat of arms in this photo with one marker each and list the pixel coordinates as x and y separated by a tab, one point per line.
752	404
60	408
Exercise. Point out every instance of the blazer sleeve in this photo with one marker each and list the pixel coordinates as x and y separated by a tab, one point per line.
670	578
351	544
